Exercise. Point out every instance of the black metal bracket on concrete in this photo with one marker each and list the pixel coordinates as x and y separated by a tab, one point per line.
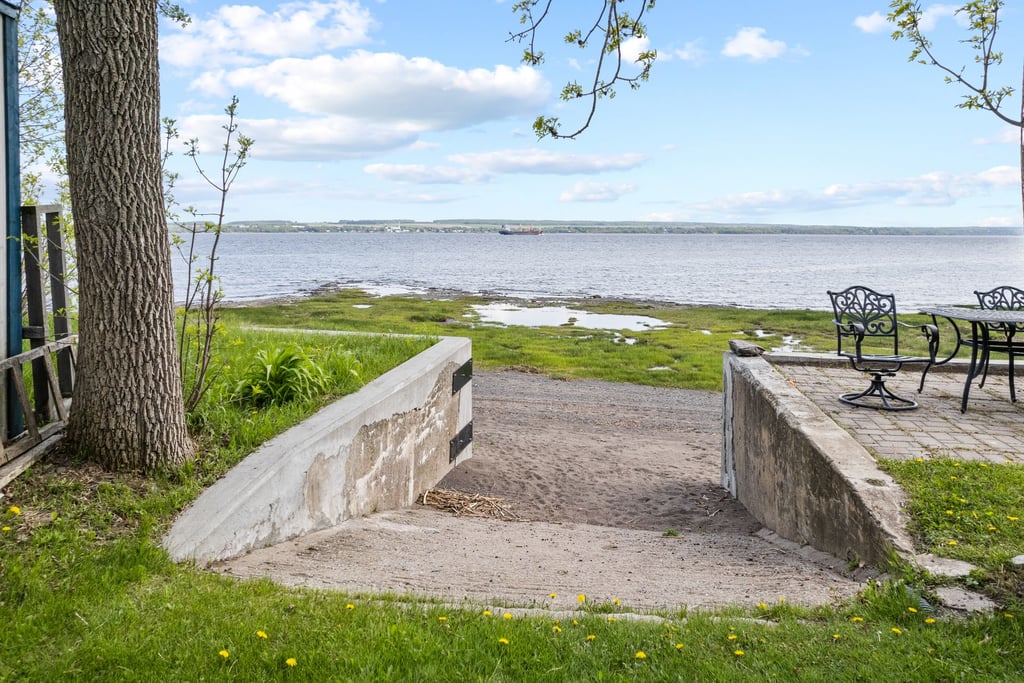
462	376
460	441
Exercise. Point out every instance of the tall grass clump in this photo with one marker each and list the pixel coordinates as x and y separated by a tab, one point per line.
280	376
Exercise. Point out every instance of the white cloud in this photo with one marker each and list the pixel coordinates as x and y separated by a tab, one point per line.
587	191
385	86
750	43
424	175
930	189
482	166
1006	136
1000	176
873	23
313	139
633	47
544	161
691	52
238	34
999	222
931	15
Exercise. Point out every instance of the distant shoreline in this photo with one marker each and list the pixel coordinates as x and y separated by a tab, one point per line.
472	226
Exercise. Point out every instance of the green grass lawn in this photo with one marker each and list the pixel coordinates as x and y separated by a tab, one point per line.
688	353
87	594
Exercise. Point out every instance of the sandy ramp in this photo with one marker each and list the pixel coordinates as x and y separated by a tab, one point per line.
600	472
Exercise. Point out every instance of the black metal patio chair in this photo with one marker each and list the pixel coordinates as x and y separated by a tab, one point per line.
1002	337
867	333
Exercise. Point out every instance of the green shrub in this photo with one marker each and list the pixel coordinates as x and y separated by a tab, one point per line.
284	375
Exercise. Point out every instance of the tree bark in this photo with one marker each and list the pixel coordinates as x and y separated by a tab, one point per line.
127	408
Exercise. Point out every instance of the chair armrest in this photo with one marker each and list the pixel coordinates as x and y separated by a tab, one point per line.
931	335
852	329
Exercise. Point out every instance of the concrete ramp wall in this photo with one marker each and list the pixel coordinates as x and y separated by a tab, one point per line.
800	474
377	449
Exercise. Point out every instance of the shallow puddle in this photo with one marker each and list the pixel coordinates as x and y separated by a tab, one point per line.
556	316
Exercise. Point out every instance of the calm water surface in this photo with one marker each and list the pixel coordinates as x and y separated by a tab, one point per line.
754	271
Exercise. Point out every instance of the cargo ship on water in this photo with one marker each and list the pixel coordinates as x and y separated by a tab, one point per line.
521	230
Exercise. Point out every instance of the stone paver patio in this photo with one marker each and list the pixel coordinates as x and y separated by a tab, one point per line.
992	429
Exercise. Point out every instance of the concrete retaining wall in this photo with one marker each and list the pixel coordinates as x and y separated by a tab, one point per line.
377	449
800	474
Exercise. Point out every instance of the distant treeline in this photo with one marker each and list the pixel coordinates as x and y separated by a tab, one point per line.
481	226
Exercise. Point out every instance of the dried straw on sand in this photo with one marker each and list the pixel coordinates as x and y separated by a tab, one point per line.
462	504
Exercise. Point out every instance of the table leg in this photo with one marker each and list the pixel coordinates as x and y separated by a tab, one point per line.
972	370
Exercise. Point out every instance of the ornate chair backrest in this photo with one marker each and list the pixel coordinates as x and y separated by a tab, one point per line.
1002	298
876	312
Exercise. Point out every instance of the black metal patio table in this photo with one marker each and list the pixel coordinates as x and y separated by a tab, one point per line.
979	340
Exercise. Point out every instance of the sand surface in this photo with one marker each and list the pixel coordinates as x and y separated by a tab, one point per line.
597	472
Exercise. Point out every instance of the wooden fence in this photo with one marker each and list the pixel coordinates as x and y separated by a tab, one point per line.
36	413
42	428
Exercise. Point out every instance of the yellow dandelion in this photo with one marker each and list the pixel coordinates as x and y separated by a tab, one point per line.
856	620
1008	615
350	606
7	528
762	605
733	636
956	464
962	500
992	528
506	615
487	612
930	620
615	601
442	619
1012	518
679	646
897	631
556	628
782	601
835	636
912	610
291	661
738	653
224	653
952	477
14	510
262	634
503	641
951	542
581	598
640	654
553	596
575	622
982	464
612	619
919	459
591	637
949	512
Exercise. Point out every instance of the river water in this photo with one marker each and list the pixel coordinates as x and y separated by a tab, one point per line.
750	271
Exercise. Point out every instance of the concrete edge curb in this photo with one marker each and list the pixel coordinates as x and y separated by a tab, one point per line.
802	475
373	450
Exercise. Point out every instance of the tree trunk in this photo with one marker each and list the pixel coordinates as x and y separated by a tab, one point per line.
127	408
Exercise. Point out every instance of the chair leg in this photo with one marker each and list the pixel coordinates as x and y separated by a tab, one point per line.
878	390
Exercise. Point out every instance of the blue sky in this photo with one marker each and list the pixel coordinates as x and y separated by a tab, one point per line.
794	111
